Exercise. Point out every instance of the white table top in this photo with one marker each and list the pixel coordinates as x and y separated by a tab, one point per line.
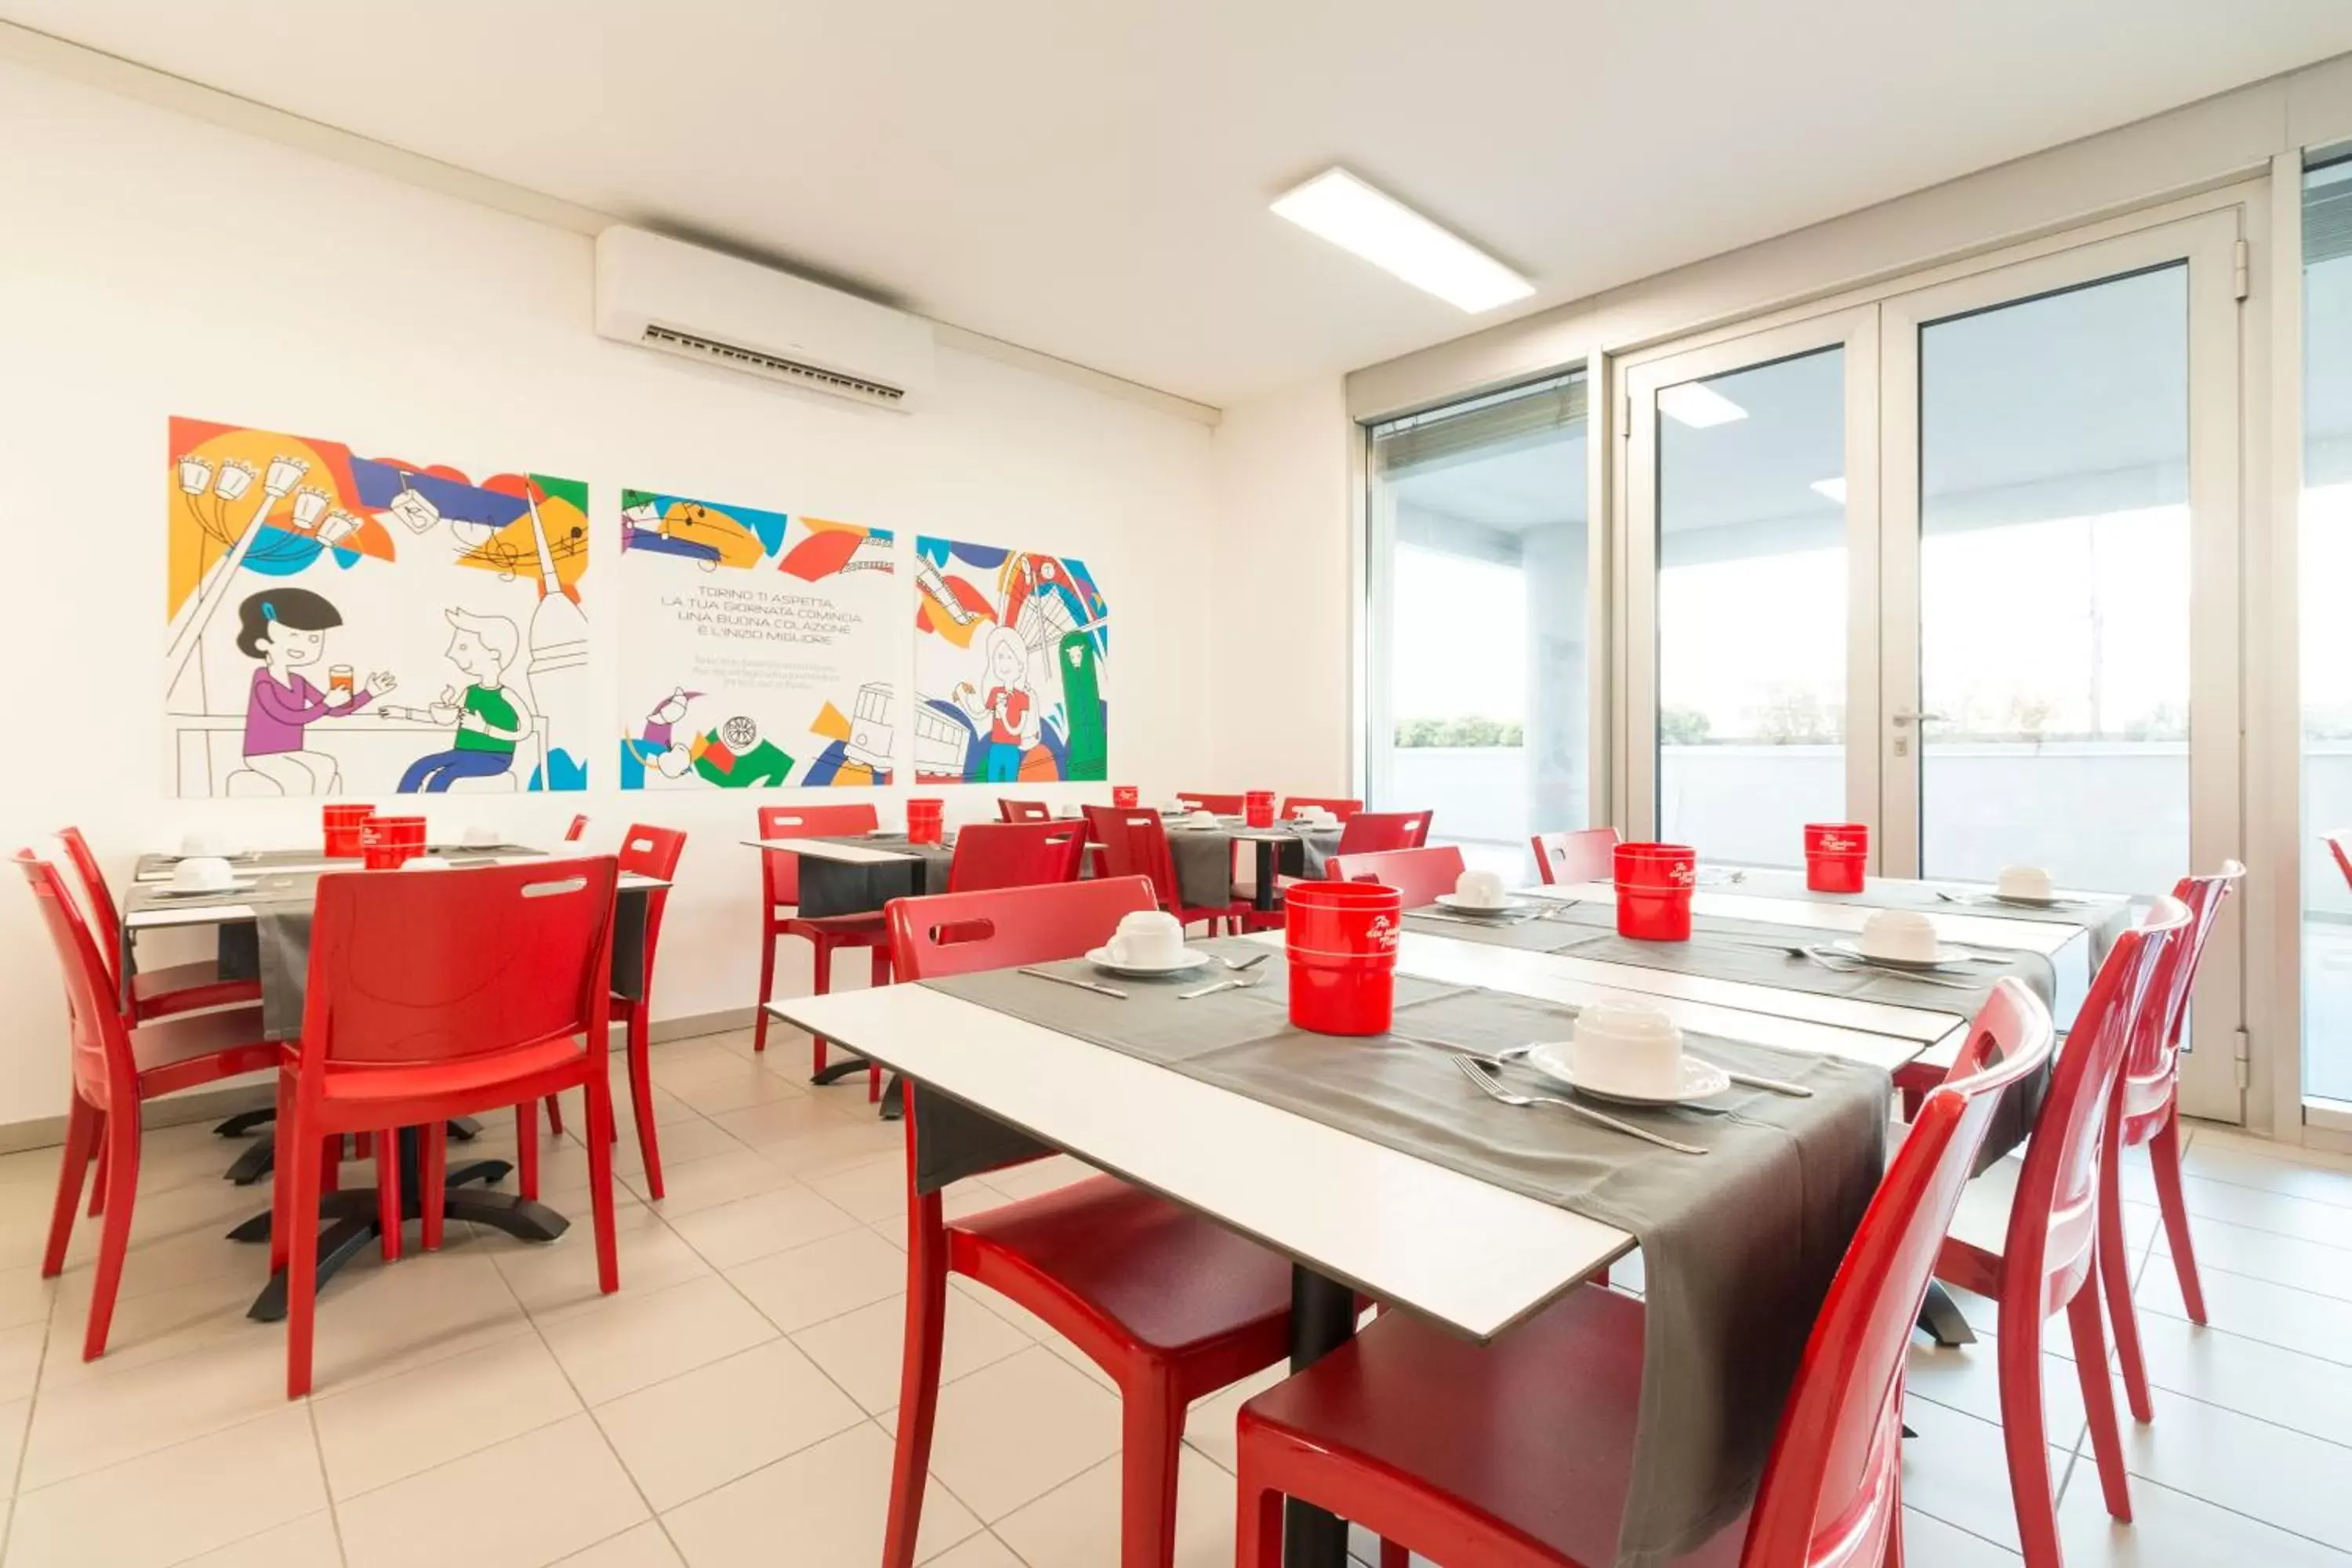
1476	1257
830	849
197	914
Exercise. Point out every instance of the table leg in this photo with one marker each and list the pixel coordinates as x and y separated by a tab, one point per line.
1322	1319
1267	864
1942	1317
259	1155
349	1215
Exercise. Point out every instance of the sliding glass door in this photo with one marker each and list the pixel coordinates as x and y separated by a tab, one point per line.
1960	563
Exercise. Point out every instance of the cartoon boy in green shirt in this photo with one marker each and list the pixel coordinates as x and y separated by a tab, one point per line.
490	716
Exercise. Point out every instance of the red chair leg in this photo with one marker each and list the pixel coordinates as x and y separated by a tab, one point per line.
877	974
599	1134
431	1176
641	1095
2018	1348
918	1379
1152	1417
97	1177
82	1132
302	1153
387	1191
767	990
555	1114
281	1175
1257	1529
820	985
2164	1161
2114	1279
527	1150
114	1238
2099	1402
1394	1556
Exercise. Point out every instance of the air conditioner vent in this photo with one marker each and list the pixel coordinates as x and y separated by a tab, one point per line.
770	365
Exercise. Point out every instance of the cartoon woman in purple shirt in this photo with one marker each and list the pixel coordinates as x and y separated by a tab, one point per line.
286	629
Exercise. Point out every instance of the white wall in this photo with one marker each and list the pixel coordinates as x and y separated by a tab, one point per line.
153	265
1273	646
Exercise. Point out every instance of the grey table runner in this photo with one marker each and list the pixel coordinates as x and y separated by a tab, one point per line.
830	887
2105	915
1724	948
275	945
258	860
1738	1245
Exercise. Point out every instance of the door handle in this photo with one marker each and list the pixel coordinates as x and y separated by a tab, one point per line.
1905	720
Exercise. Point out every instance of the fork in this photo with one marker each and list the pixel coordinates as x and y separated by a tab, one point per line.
1843	965
1236	984
1494	1089
1252	962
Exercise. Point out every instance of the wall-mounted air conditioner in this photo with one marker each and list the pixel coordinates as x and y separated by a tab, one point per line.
664	294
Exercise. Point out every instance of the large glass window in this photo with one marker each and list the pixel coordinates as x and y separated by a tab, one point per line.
1478	576
2325	569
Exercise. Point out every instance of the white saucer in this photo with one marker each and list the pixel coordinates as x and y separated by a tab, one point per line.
1460	905
1101	959
2027	901
1699	1079
1946	957
166	890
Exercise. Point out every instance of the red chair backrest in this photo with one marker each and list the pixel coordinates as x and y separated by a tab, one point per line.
1590	856
2053	1215
2153	1051
99	1046
1023	811
1135	844
958	933
1014	855
780	873
418	967
1417	875
1342	809
1222	804
106	924
1377	832
651	851
579	825
1830	1497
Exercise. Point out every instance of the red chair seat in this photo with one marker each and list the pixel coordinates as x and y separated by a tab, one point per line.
187	988
1535	1432
491	1074
862	929
1169	1281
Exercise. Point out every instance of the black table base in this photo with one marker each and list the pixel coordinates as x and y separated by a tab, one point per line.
1322	1319
260	1156
1942	1317
349	1216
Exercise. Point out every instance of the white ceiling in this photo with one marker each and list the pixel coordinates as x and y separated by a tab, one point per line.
1091	180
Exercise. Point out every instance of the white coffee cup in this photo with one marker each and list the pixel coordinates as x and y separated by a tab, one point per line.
1148	938
426	863
1204	818
1481	890
480	837
2023	882
210	845
201	874
1905	936
1626	1047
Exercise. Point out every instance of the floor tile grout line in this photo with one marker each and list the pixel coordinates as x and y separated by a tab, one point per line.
326	1487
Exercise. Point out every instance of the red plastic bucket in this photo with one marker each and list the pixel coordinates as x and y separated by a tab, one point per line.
1654	891
1342	940
1126	797
386	841
926	821
1257	809
1836	855
340	825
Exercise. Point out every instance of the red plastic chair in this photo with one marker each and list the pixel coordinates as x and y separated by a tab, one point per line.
1292	806
2148	1111
780	874
1023	811
1222	804
1590	856
1170	1305
1135	844
437	995
1377	832
652	852
1518	1454
579	825
154	992
1418	875
2052	1241
1014	855
118	1066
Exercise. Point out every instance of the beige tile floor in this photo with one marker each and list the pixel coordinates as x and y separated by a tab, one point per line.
732	1405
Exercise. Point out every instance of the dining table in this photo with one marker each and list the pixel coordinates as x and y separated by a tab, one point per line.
1376	1168
261	923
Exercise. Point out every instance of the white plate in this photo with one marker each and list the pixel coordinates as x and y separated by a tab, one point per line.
165	890
1101	959
1946	957
1456	902
2026	901
1699	1079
